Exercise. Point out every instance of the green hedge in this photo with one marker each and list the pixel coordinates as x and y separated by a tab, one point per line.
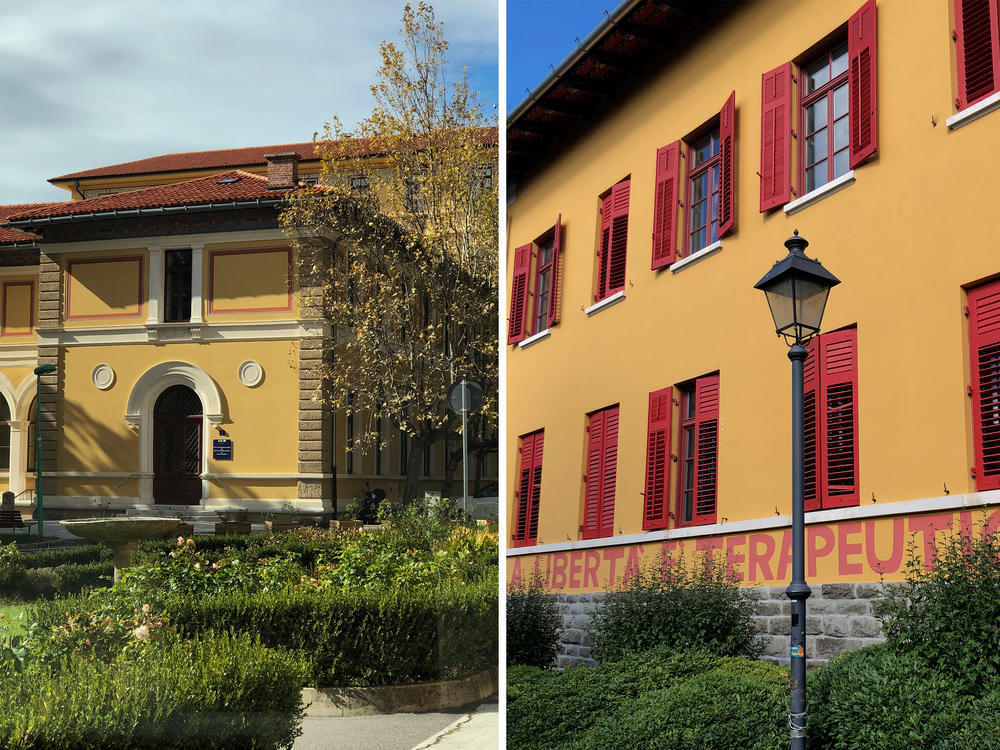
254	545
81	555
364	637
649	699
221	691
533	624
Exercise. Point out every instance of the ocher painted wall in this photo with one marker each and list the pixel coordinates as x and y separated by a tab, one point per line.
904	238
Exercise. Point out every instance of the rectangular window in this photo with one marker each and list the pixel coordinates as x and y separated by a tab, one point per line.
655	505
177	286
830	409
404	452
601	476
977	50
427	460
709	186
613	240
529	489
349	434
379	447
984	347
698	454
833	116
535	277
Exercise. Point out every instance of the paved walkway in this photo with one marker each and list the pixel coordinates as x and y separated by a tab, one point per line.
475	728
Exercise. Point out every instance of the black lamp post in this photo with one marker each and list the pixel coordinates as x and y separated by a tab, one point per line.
39	371
796	289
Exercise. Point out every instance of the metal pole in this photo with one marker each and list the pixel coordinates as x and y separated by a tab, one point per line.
465	448
38	455
798	590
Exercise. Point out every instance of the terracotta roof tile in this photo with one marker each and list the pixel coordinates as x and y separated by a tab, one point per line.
216	159
215	188
13	236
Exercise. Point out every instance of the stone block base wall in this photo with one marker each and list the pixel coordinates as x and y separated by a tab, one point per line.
839	618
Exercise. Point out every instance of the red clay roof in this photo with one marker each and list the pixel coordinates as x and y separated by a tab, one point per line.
204	190
219	158
12	236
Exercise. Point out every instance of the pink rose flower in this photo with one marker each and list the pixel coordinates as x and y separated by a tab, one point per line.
141	632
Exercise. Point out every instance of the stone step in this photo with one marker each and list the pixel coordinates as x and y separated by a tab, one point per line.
188	513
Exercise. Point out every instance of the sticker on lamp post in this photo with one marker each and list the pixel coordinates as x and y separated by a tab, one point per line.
798	651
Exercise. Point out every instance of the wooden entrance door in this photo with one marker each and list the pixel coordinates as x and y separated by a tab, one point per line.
177	447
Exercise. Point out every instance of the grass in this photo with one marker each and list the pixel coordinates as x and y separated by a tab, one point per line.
14	617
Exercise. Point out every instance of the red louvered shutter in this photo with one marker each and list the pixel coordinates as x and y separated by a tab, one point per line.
519	294
609	472
619	237
810	457
862	83
665	205
529	490
984	345
977	52
607	216
727	167
592	490
655	510
706	435
838	418
775	138
554	284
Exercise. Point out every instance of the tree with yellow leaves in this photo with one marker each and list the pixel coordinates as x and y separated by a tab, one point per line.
400	252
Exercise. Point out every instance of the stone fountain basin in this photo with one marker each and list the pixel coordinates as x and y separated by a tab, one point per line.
119	530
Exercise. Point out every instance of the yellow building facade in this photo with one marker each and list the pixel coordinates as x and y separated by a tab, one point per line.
186	350
654	178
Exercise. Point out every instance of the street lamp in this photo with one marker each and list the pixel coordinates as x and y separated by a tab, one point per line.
39	371
796	289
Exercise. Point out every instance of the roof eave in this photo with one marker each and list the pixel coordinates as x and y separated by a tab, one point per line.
137	212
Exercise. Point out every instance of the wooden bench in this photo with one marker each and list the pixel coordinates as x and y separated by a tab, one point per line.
11	519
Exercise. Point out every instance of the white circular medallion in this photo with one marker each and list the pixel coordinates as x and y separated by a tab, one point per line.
250	373
103	377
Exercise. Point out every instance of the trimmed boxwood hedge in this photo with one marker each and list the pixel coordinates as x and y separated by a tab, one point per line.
81	555
219	691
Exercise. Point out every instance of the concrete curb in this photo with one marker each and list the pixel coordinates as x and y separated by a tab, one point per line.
390	699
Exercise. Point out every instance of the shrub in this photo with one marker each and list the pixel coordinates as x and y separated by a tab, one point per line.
76	578
946	614
11	569
221	691
552	710
85	554
533	624
685	607
917	706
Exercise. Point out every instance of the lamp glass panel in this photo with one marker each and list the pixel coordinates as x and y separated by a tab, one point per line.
810	301
780	298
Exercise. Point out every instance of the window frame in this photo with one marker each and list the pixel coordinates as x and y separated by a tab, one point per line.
825	91
713	167
612	246
984	298
174	288
525	312
600	455
698	427
528	489
964	100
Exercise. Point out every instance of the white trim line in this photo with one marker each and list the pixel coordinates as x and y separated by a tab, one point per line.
974	112
267	476
259	330
109	474
819	193
905	507
179	241
614	299
534	339
695	257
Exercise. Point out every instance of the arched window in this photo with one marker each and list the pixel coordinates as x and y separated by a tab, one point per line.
31	448
4	434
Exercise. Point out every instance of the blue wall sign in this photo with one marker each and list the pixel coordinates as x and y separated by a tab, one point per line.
222	449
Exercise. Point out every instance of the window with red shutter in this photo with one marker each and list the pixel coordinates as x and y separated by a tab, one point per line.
977	50
519	294
665	205
534	296
836	120
613	241
697	481
831	421
601	474
527	496
655	506
984	347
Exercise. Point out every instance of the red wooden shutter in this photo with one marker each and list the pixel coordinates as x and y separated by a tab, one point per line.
775	140
519	294
706	436
554	284
977	52
668	161
655	510
984	345
838	418
602	459
607	216
529	490
727	166
810	455
862	83
619	237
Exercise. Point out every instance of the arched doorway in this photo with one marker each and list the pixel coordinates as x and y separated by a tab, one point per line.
177	440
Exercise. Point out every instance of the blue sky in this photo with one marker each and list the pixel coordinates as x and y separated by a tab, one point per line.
542	33
85	85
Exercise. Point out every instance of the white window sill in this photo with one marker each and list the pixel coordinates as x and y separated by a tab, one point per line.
534	339
974	112
695	257
819	193
614	299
